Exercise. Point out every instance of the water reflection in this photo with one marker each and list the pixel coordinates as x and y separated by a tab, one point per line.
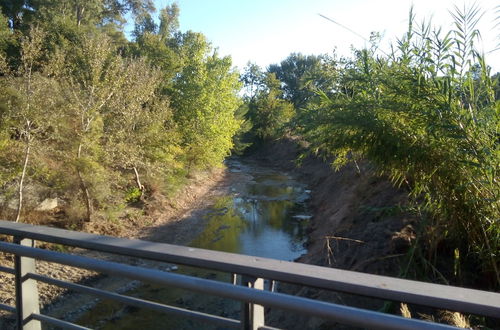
259	219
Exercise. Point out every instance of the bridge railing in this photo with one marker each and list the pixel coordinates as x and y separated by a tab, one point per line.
252	270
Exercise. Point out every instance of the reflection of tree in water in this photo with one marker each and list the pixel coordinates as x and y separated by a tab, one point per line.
271	185
223	228
259	223
276	212
271	190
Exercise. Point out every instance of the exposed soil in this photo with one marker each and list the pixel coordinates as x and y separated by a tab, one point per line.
358	224
168	221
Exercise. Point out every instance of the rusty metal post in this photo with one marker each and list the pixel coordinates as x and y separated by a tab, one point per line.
252	316
26	289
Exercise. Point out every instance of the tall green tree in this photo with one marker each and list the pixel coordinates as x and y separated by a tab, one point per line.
253	79
137	123
301	77
91	78
204	98
28	107
159	45
169	21
270	113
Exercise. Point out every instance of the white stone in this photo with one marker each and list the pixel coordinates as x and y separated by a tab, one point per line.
48	204
302	217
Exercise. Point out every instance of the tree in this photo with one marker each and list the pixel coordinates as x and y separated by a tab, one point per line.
301	77
136	123
204	99
90	79
95	12
29	102
253	80
270	113
18	12
160	45
169	21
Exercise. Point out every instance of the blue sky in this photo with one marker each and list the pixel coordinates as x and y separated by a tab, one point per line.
267	31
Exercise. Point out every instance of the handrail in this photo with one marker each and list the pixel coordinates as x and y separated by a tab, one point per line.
132	301
344	314
427	294
376	286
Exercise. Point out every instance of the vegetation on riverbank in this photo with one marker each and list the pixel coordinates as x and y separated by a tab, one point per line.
426	115
98	120
103	121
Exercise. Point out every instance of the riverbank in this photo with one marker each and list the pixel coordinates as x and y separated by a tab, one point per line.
256	217
351	228
354	209
360	222
174	221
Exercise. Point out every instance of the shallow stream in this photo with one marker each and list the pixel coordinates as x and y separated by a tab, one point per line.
264	215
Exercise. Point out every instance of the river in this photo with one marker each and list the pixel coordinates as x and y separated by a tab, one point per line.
264	215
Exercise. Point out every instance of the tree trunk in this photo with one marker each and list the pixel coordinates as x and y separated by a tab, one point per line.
79	14
86	196
138	181
21	180
84	189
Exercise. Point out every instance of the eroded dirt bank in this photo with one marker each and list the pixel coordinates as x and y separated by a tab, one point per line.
174	221
358	223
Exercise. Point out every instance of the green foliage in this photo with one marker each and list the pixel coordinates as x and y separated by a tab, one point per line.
204	98
275	99
270	113
301	76
240	139
253	80
25	96
98	112
133	195
427	116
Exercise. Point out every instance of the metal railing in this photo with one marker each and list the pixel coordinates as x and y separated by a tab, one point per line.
251	293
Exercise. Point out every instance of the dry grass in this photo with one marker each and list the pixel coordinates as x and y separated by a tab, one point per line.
405	311
456	319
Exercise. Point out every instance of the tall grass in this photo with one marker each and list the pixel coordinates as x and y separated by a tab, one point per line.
426	115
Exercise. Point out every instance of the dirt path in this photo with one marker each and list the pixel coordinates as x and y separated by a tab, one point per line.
171	222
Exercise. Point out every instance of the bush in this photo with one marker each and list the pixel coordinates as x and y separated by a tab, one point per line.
427	116
133	195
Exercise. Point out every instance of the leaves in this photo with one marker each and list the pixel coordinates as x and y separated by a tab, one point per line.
427	116
111	112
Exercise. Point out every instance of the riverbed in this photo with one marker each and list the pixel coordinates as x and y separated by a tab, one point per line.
264	213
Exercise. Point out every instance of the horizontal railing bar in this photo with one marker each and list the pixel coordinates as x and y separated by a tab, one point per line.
382	287
57	322
223	321
7	308
338	313
7	270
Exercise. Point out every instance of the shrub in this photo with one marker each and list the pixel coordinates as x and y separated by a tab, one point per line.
427	117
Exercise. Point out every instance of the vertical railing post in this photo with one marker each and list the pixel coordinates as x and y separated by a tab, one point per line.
252	316
26	289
